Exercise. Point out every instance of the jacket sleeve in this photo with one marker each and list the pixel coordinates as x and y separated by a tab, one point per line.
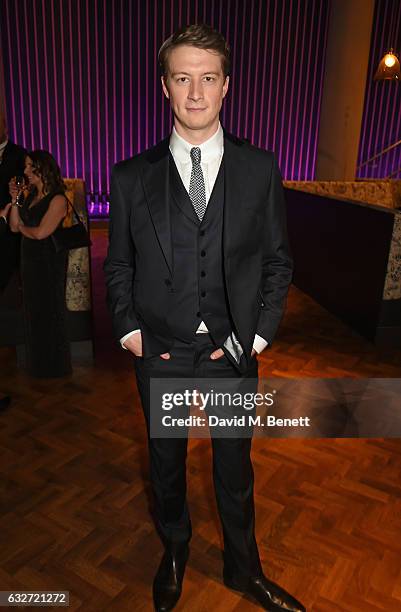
119	265
277	262
3	225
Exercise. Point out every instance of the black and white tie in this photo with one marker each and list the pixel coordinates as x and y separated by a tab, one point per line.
197	192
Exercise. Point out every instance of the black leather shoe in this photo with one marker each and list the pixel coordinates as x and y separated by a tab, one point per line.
270	596
4	403
168	580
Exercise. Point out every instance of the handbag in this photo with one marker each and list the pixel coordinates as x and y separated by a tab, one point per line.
74	237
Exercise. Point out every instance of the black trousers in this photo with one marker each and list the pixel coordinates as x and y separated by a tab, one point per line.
232	466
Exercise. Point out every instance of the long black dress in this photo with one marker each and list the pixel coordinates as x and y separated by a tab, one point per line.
43	274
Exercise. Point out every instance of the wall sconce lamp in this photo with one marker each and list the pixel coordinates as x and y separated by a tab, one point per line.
389	68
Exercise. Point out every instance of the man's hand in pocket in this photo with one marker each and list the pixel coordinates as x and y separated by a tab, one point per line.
219	353
134	344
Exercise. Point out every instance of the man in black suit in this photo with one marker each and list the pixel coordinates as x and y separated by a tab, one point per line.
198	269
12	163
4	401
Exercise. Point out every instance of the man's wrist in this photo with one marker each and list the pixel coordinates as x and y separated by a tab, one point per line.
259	343
124	338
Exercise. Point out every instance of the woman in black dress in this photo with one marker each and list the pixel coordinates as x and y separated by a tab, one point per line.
43	271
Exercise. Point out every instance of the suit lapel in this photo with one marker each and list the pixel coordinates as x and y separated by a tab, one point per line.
155	178
235	171
180	194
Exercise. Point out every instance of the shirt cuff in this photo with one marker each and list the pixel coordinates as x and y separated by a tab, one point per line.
124	338
259	343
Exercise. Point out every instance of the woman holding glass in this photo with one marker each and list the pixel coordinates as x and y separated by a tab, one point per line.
43	271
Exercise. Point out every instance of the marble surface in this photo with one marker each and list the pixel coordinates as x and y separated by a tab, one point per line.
392	285
78	287
385	193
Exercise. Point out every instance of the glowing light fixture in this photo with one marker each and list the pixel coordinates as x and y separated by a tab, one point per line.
389	60
389	68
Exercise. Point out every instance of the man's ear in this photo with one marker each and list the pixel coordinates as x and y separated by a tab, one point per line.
165	89
225	86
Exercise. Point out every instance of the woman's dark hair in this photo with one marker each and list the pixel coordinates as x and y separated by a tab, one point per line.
199	35
45	166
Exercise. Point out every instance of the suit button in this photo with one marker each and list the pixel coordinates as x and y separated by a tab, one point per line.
203	253
203	273
168	282
202	232
198	314
203	294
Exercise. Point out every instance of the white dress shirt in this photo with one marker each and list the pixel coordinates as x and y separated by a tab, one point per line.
211	155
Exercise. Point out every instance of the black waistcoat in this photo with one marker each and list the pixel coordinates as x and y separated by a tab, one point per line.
198	279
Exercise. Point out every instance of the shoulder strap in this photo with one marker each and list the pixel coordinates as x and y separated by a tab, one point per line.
77	217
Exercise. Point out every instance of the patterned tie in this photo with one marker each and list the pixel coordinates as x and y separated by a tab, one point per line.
197	191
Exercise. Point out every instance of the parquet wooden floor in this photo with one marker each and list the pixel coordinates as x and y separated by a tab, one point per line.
75	492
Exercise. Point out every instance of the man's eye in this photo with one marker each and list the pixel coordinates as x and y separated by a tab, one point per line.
209	79
182	79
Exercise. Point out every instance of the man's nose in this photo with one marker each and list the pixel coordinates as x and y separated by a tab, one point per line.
195	91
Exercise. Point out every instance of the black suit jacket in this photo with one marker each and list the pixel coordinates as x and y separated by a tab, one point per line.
257	262
3	225
12	164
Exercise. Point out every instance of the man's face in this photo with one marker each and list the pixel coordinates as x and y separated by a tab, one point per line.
195	86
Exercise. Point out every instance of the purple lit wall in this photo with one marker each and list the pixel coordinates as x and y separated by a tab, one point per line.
81	77
381	124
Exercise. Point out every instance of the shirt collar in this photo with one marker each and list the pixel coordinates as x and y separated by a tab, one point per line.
210	149
3	145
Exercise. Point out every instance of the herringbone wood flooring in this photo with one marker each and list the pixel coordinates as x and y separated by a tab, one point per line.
75	493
